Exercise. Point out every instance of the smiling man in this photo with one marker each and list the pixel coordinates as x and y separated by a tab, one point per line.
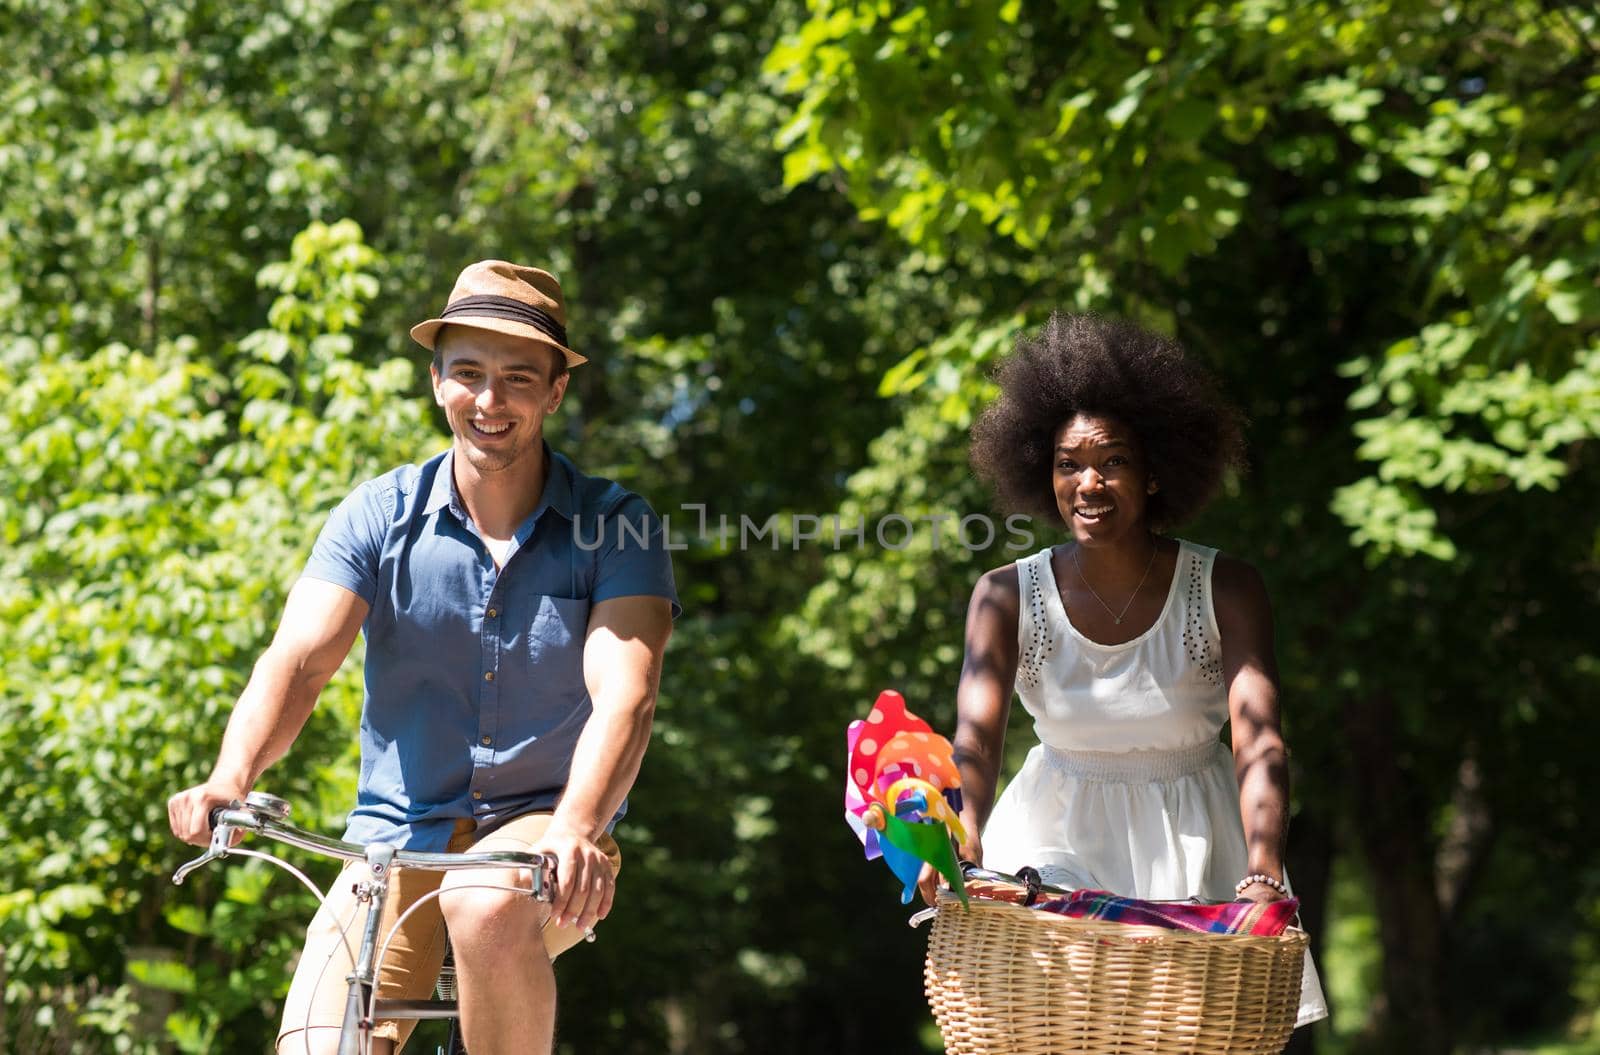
511	676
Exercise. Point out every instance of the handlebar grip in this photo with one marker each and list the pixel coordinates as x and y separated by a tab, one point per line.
213	816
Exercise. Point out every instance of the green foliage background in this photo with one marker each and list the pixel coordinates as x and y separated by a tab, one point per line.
795	236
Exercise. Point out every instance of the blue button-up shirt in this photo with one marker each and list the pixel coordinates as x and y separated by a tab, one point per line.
475	693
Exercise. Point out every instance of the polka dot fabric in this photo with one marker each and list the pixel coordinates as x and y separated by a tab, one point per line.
893	744
885	725
1037	644
1198	644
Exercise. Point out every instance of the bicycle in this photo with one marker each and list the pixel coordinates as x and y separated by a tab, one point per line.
267	815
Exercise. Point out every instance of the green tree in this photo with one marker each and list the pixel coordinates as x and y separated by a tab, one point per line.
137	483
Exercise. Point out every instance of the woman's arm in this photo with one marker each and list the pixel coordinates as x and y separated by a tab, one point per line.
1260	759
983	703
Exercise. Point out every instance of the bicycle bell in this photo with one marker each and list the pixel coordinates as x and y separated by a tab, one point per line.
267	805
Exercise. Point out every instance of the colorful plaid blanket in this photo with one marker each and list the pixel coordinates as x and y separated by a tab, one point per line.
1229	917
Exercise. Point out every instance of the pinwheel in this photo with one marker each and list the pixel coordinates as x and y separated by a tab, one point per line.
902	793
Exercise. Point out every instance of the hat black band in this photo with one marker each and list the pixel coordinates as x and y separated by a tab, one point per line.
494	307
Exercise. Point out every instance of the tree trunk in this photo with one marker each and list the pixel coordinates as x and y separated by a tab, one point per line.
151	301
1392	831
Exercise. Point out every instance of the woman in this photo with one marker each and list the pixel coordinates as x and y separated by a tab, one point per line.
1128	647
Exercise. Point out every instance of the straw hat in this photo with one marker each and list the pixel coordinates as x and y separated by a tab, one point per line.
506	298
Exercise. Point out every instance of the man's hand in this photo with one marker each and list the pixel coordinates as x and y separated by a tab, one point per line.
189	811
585	885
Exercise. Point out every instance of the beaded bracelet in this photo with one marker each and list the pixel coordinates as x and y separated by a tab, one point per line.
1261	878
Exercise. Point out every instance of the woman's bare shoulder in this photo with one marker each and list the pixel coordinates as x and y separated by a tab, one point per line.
1002	583
1239	591
997	595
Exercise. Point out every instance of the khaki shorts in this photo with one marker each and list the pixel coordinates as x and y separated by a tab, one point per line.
412	963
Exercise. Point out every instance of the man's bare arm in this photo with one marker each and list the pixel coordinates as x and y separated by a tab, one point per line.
319	624
622	668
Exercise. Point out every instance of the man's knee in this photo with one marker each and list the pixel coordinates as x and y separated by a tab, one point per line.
478	906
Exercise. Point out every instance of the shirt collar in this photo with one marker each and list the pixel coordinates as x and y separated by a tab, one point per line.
443	493
557	485
557	488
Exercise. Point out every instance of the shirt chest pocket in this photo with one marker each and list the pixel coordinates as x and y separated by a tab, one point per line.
555	647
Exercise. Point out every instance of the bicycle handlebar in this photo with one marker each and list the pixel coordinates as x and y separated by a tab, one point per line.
264	815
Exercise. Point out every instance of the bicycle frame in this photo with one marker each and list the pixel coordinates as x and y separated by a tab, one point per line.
264	814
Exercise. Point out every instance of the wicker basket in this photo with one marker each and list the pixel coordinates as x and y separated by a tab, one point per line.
1005	980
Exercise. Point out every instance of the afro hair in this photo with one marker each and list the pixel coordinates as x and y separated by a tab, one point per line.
1190	434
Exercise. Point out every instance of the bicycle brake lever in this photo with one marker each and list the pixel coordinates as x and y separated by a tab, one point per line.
183	871
221	843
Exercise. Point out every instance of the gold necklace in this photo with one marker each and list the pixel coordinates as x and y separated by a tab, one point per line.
1116	616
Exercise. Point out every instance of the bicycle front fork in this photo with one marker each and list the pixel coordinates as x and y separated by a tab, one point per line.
374	890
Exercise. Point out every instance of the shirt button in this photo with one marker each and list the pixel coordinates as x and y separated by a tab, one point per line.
487	741
493	612
488	675
477	794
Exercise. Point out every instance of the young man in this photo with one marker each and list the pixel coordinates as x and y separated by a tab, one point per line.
515	626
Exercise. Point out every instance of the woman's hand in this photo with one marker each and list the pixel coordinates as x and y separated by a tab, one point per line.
929	880
1260	893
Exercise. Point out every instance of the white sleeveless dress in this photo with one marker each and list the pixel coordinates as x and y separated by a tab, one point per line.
1129	789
